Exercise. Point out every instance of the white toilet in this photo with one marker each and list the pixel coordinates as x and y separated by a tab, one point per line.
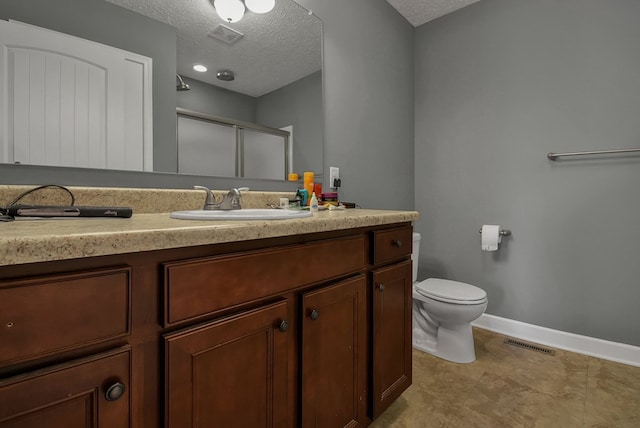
442	314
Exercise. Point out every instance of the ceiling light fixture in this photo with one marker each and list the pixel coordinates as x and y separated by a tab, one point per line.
226	75
260	6
200	68
229	10
233	10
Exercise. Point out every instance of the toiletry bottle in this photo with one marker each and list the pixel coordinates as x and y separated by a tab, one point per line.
305	197
313	205
308	184
317	188
296	202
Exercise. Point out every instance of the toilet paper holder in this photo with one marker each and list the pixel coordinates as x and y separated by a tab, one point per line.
503	232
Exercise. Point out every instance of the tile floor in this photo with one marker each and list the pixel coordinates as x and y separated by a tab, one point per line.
508	386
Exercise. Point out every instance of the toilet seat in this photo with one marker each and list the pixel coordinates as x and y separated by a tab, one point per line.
448	291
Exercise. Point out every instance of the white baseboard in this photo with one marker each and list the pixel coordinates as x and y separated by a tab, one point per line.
604	349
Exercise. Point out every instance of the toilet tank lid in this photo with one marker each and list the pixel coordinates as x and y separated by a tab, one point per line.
451	290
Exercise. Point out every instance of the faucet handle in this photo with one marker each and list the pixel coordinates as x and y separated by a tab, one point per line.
234	197
210	200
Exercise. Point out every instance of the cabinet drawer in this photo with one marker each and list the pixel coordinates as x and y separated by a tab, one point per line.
43	315
198	287
72	394
392	244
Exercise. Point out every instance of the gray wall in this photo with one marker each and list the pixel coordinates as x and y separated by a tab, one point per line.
368	81
298	104
211	99
498	85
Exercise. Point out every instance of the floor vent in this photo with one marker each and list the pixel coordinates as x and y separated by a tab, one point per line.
530	346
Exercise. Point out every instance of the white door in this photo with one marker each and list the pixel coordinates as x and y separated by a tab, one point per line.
67	101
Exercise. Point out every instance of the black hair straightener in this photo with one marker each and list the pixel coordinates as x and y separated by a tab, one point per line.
67	211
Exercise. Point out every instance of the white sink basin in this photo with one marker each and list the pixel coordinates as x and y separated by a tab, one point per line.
242	214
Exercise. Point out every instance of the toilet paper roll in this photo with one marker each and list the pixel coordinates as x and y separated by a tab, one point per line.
490	237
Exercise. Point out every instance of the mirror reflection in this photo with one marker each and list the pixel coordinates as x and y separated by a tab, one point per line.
275	60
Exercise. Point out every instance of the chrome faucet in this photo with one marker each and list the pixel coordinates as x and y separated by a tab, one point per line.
230	201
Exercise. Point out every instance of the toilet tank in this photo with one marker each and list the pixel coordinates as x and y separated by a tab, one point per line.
414	255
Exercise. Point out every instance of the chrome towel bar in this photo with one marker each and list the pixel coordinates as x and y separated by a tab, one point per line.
555	156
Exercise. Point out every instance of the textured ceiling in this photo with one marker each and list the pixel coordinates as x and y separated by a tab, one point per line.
417	12
277	48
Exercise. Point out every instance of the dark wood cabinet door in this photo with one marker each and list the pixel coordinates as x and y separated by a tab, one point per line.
229	373
334	355
391	334
92	392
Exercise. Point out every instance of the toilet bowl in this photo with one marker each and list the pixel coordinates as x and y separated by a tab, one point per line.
442	314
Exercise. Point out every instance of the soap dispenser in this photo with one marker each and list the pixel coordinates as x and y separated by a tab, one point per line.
313	205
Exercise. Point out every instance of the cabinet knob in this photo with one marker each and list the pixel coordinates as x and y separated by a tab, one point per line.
396	243
314	314
115	391
381	287
284	326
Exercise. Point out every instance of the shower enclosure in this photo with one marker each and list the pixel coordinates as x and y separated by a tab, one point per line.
215	146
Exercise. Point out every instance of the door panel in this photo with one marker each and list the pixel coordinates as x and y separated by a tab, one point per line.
333	355
229	373
206	148
265	155
391	320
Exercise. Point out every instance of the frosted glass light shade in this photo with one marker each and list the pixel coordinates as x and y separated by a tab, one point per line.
229	10
260	6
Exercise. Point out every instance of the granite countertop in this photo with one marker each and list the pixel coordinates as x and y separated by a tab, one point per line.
31	241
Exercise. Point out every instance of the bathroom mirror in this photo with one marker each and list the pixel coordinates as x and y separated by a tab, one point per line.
289	37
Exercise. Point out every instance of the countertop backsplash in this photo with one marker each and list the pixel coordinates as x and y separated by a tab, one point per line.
140	200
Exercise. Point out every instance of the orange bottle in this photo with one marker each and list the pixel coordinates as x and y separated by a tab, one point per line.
308	183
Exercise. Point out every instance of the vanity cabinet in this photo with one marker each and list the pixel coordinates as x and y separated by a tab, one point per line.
391	315
310	330
246	357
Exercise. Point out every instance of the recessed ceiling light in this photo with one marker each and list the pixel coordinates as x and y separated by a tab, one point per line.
200	68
